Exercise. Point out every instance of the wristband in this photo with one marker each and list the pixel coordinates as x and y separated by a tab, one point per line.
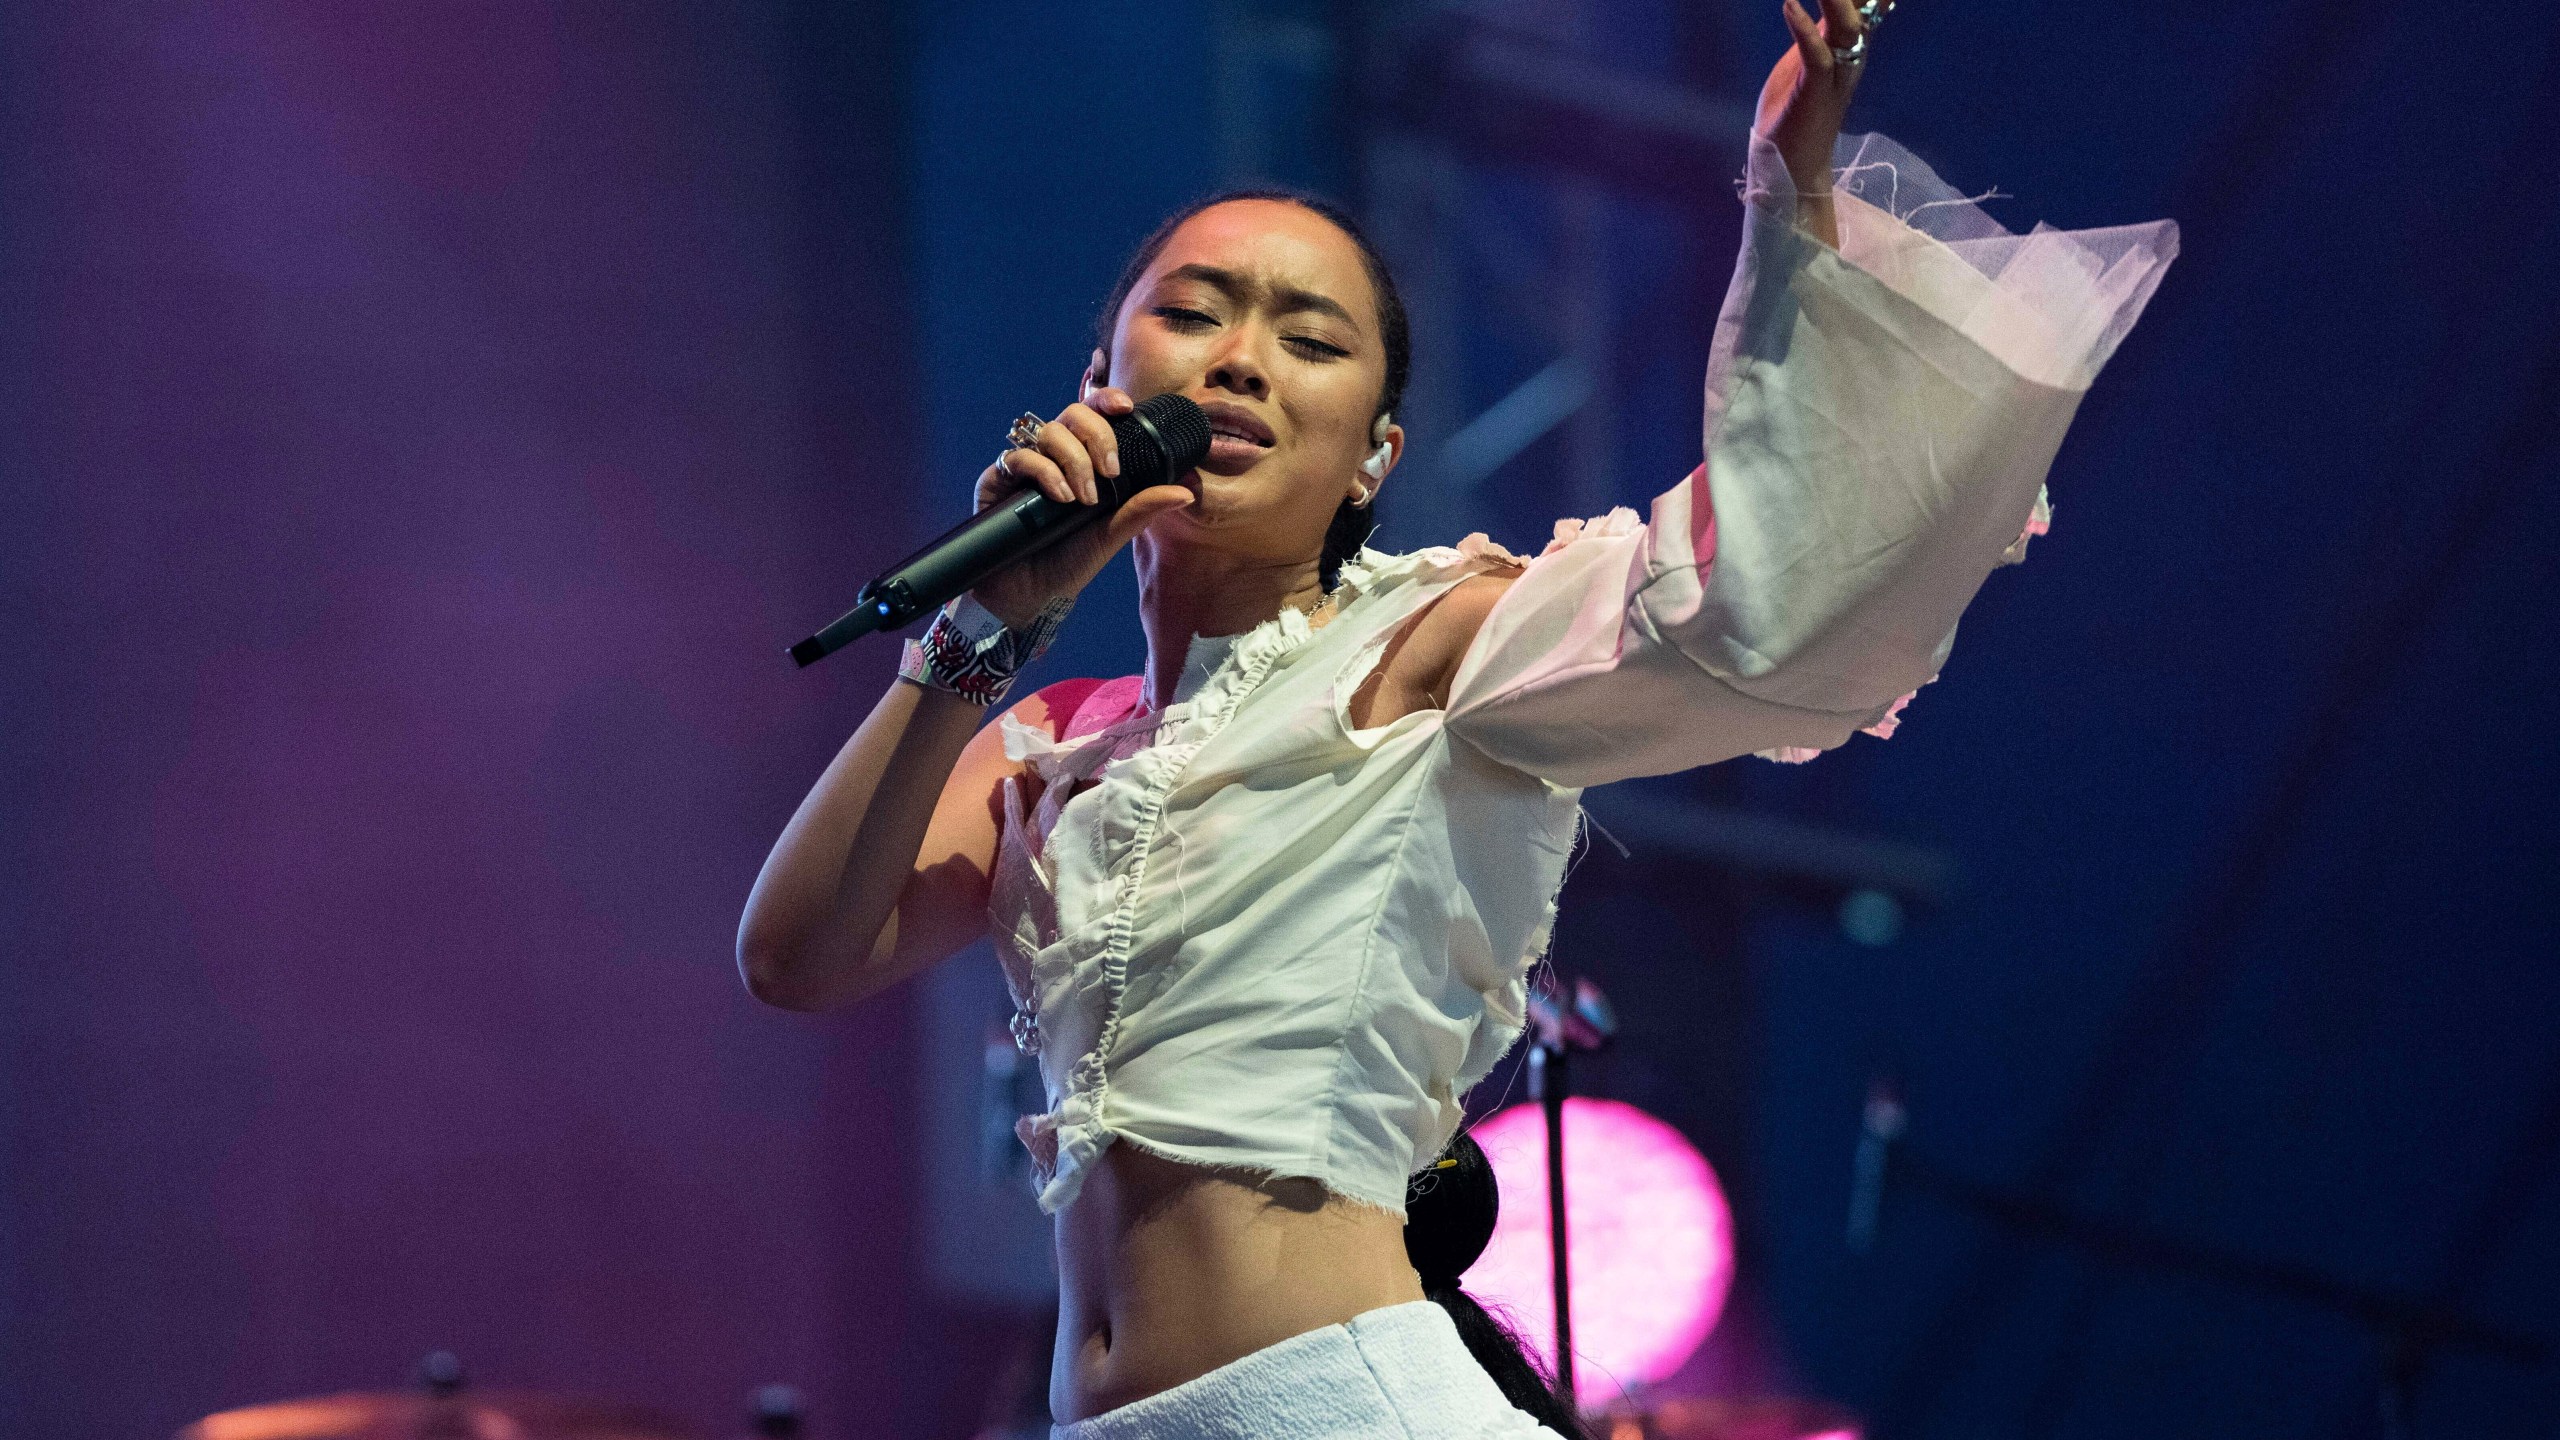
970	653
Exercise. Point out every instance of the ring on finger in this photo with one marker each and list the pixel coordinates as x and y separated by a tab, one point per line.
1025	432
1004	467
1852	54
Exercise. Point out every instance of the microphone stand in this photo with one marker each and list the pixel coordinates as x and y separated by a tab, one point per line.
1588	1023
1548	1072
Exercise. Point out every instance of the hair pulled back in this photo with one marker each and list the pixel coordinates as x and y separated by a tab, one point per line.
1449	1214
1352	524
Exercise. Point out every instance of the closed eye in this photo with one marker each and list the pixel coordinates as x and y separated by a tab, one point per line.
1184	318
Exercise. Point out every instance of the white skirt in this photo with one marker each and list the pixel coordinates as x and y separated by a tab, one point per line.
1398	1373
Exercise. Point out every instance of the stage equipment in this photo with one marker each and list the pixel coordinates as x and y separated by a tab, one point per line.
1588	1023
494	1415
776	1412
1658	826
1649	1235
2408	1331
1166	436
439	1409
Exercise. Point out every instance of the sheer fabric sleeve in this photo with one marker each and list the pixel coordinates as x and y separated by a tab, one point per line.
1879	423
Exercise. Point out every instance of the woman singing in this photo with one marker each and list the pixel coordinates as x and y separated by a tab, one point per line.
1267	909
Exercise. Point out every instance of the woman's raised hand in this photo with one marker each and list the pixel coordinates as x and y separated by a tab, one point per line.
1807	96
1074	454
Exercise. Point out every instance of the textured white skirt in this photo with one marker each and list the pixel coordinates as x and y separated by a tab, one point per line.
1399	1373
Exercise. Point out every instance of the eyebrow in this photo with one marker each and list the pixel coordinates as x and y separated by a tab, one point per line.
1286	299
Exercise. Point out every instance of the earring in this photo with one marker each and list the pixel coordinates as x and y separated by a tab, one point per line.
1367	494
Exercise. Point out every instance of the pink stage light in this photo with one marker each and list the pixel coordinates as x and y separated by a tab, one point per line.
1648	1232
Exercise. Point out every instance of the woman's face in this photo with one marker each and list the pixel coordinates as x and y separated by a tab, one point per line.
1262	312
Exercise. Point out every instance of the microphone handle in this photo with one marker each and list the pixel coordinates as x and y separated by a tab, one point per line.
1161	438
947	566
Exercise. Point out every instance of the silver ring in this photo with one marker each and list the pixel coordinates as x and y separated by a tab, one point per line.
1854	53
1874	11
1025	433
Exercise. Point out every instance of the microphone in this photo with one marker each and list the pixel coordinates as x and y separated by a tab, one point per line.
1165	436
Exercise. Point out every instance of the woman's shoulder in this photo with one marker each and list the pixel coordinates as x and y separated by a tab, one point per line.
1469	576
1379	570
1034	736
1066	710
1458	586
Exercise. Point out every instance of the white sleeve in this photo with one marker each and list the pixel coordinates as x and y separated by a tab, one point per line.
1879	423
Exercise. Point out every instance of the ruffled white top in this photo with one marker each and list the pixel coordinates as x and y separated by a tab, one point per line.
1244	933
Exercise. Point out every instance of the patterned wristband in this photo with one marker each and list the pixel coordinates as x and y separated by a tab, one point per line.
970	653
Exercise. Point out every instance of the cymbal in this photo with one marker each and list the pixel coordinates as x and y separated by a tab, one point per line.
1766	1418
470	1415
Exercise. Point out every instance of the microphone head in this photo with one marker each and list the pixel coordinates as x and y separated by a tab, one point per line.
1167	435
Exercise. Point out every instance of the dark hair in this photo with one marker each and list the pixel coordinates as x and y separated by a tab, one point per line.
1449	1212
1352	524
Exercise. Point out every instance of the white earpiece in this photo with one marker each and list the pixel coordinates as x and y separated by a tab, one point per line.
1375	467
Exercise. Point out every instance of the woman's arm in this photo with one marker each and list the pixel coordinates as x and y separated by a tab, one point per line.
1804	101
884	868
1880	415
1801	107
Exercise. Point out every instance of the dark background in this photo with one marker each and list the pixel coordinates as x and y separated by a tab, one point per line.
424	423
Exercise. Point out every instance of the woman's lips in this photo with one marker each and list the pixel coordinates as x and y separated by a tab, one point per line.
1237	437
1232	454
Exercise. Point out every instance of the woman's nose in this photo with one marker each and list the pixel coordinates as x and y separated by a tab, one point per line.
1235	371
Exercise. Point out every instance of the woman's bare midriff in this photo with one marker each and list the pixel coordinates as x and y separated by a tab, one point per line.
1167	1271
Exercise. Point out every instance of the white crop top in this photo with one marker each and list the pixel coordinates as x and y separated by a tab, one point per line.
1268	940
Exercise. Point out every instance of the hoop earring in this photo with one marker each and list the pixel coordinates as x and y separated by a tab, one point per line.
1367	494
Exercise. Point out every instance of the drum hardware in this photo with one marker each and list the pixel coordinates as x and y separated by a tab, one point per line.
444	1407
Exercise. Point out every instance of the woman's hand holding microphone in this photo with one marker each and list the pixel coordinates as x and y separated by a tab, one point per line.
839	910
1072	459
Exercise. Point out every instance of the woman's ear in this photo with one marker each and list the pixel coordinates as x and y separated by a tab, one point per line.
1097	373
1382	461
